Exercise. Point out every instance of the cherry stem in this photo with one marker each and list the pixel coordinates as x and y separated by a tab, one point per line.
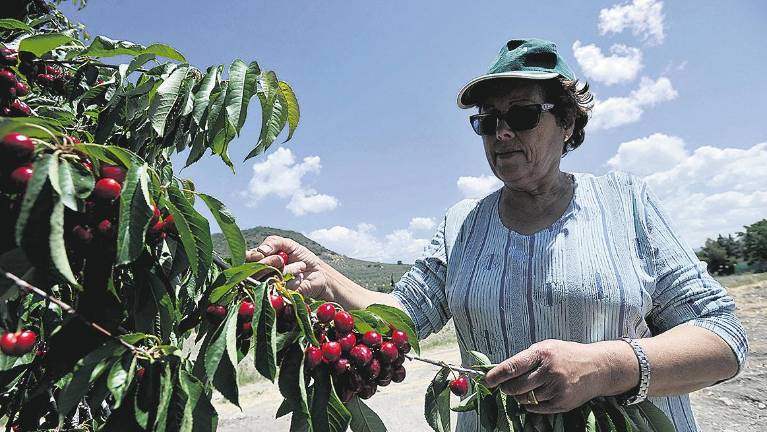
446	365
27	287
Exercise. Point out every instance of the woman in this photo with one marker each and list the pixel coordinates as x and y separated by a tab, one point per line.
576	285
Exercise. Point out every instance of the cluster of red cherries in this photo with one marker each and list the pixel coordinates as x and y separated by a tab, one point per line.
359	363
11	88
18	343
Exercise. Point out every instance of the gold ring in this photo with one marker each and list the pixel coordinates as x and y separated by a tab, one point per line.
531	398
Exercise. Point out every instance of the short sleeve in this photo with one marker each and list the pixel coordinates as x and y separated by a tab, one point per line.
422	289
685	293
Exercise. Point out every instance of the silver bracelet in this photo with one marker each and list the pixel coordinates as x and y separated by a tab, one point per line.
644	374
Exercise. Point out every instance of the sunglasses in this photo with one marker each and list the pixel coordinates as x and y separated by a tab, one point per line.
518	117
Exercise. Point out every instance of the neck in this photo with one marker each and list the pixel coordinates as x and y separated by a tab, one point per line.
539	197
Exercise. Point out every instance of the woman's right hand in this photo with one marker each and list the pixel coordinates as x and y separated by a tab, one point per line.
311	278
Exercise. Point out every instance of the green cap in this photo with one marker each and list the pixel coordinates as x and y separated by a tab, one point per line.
521	58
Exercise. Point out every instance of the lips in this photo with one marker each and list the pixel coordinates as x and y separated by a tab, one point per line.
507	153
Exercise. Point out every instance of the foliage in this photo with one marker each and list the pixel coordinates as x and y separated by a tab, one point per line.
754	244
718	260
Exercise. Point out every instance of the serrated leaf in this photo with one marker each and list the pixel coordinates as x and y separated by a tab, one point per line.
221	358
365	321
70	181
40	44
28	126
232	277
203	92
199	414
242	86
363	419
291	380
232	233
135	214
294	113
110	154
265	352
437	403
302	318
165	98
400	320
328	414
469	403
120	377
104	47
12	24
274	113
166	391
194	231
480	358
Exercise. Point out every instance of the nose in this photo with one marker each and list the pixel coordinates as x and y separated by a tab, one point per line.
502	131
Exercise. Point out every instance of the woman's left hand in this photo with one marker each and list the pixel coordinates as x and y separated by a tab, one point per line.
562	375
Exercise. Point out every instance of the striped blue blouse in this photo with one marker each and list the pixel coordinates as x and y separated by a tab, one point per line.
612	265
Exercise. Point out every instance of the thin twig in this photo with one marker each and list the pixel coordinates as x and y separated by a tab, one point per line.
27	287
443	364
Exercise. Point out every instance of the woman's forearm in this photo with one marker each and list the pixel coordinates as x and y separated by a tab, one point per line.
682	360
350	295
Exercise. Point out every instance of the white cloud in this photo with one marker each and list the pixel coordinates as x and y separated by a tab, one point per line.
422	223
623	63
647	155
617	111
478	187
710	190
363	242
643	17
281	176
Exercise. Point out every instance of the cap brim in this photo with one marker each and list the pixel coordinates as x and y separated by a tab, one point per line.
463	100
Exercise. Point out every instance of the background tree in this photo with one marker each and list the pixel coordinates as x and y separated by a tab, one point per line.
754	245
717	258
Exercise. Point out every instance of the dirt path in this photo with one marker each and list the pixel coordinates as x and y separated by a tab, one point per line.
737	405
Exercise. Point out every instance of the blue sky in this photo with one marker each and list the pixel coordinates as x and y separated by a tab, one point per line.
381	146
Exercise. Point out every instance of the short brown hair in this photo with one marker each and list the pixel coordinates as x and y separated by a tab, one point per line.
572	103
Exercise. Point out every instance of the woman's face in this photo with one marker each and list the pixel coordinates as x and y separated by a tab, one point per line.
521	159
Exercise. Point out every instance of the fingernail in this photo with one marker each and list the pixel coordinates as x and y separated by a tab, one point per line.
264	249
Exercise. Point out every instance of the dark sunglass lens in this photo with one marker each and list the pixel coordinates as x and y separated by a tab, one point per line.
523	117
484	124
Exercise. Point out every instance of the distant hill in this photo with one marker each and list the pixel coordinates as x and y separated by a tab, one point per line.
369	274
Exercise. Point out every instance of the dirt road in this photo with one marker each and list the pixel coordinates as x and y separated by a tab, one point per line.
737	405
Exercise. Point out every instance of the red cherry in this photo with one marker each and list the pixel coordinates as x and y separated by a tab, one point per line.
347	341
106	228
20	178
331	351
373	369
21	89
107	189
277	302
169	224
52	70
341	366
114	172
372	339
399	338
388	352
361	355
459	386
8	343
326	312
25	341
82	234
246	329
312	356
155	214
7	78
46	79
368	390
283	256
246	310
398	374
140	372
87	165
20	109
343	321
215	313
74	140
155	232
17	147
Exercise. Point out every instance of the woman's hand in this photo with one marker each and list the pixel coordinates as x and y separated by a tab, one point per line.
310	280
562	375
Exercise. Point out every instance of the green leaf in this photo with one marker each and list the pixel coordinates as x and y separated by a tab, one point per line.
469	403
135	214
242	86
221	358
110	154
139	61
165	98
199	414
203	92
302	318
274	112
232	277
105	47
293	111
574	420
488	414
77	387
400	320
70	181
365	321
291	380
229	228
437	403
480	358
12	24
41	168
616	414
655	417
364	419
120	376
328	414
40	44
194	231
166	391
29	126
265	353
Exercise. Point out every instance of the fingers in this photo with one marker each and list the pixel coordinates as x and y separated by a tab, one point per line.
296	283
513	367
522	384
270	246
295	268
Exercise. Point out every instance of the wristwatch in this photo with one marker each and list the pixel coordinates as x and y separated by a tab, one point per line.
639	393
